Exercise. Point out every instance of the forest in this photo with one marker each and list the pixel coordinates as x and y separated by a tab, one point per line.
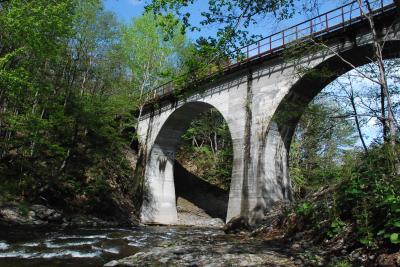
73	83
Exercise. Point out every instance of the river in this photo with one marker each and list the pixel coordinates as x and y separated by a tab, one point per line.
85	247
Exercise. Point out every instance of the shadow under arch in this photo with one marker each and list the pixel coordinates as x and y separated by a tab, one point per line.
159	201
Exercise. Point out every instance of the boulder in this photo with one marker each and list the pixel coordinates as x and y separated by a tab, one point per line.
45	214
12	214
237	224
216	223
113	263
388	260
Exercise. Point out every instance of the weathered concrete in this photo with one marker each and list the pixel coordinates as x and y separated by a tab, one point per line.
261	102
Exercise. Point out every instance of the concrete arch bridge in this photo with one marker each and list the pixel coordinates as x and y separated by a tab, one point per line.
261	98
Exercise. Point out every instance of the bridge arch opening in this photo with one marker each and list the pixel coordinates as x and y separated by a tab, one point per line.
287	116
174	192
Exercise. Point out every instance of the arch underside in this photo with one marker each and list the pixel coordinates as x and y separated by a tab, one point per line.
291	108
159	203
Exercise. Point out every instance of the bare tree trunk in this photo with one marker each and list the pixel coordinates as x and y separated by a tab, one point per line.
382	75
195	142
141	105
36	102
211	144
357	120
215	142
383	114
68	155
378	47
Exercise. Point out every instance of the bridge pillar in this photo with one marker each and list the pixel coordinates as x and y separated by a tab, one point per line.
241	193
272	172
159	203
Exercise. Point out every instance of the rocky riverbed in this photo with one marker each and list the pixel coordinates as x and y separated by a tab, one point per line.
41	236
170	246
150	246
213	249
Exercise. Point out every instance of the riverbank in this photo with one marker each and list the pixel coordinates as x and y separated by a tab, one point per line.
36	216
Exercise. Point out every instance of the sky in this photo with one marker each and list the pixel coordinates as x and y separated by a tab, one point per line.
126	10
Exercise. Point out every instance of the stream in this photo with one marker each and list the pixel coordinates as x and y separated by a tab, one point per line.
85	247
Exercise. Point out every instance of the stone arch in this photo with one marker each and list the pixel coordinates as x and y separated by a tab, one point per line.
284	120
309	86
159	202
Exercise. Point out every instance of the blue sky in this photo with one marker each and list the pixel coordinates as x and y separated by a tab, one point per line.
126	10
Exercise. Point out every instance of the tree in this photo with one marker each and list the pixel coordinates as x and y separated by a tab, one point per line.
375	72
150	58
382	80
209	142
360	99
321	140
29	43
61	88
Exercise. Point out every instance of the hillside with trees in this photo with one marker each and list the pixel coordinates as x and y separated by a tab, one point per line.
71	81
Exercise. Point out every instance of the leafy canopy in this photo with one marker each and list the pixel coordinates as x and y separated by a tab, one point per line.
231	19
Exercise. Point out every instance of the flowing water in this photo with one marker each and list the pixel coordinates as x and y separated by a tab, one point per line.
84	247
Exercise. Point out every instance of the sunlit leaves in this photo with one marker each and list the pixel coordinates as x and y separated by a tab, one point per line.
62	83
150	57
232	19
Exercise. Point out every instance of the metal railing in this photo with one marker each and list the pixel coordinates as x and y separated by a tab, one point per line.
325	23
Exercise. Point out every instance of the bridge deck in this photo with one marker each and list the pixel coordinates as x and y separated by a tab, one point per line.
318	27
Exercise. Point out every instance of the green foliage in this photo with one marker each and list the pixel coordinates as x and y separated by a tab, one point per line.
342	263
317	147
394	238
23	208
336	227
212	54
371	193
151	59
231	27
208	142
362	187
304	209
366	197
66	102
